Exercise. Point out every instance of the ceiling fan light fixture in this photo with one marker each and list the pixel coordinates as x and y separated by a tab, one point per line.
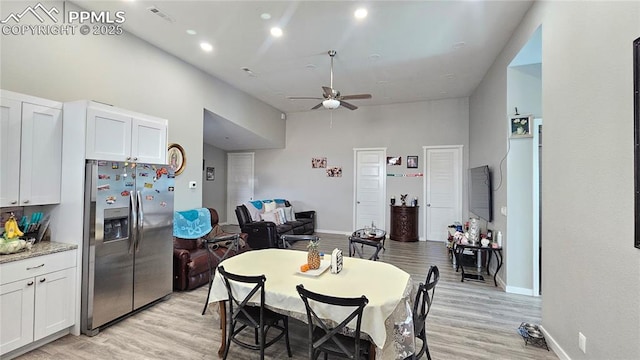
331	104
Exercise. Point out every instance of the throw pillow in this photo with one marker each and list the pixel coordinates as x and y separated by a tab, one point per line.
282	215
269	206
271	216
289	213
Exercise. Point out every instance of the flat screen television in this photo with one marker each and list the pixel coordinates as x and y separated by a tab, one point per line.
480	203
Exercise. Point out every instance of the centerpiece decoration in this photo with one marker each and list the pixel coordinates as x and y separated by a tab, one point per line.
313	255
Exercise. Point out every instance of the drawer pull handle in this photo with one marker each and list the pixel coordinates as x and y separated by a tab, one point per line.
35	267
30	283
43	280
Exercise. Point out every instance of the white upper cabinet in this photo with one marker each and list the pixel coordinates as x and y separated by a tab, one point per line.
30	150
119	135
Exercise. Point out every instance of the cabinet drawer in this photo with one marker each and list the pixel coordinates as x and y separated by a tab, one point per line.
36	266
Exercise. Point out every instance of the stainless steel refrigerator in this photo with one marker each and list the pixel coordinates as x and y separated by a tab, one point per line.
128	229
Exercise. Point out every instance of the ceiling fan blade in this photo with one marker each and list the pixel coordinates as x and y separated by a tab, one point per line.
304	98
328	92
356	96
317	106
347	105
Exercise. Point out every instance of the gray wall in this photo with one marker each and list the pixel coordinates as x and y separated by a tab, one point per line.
130	73
214	193
591	270
402	128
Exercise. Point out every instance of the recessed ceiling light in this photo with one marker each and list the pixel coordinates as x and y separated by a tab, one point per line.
361	13
374	57
276	31
206	46
311	66
191	32
265	16
449	76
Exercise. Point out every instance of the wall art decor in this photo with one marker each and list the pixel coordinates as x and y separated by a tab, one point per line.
318	162
412	162
334	171
211	173
177	158
394	160
521	126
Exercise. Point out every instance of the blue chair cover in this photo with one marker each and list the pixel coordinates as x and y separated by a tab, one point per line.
191	224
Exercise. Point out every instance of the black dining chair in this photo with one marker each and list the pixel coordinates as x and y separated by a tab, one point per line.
421	308
327	339
259	318
229	245
287	240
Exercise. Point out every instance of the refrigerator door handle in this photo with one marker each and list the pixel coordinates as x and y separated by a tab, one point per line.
140	234
133	238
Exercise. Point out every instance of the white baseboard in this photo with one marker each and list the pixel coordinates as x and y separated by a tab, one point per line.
518	290
335	232
554	346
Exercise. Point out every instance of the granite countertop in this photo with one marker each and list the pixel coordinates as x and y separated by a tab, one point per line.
38	249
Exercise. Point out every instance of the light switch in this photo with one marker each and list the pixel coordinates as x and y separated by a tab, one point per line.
503	210
192	184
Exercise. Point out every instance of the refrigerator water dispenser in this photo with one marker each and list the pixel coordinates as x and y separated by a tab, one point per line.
116	224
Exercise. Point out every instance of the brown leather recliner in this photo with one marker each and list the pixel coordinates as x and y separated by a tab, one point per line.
190	257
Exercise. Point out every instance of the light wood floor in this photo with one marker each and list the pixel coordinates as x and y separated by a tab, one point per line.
470	320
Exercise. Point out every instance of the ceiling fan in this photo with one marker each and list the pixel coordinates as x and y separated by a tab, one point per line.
331	97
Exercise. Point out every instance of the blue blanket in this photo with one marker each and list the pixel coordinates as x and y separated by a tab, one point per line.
191	224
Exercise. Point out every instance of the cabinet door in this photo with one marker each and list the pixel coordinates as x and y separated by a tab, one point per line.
16	307
108	135
149	141
9	151
54	302
41	155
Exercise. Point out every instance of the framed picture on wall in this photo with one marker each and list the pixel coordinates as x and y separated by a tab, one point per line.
412	162
521	126
394	160
177	158
211	173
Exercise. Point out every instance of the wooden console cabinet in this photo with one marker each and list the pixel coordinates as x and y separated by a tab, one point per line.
404	223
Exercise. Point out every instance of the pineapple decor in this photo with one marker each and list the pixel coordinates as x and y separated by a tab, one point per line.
313	256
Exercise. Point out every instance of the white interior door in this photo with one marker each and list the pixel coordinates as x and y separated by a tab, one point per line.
370	187
239	182
443	190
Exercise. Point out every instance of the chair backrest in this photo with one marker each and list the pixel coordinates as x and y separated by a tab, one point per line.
286	240
238	305
214	217
329	339
424	298
242	213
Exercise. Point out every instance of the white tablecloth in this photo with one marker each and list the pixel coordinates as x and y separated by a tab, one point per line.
386	318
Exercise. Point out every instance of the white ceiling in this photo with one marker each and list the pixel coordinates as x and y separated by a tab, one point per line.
403	51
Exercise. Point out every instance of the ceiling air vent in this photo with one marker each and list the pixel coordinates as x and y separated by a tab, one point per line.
160	13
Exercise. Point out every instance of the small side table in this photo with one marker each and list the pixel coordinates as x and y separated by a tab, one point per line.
459	248
375	239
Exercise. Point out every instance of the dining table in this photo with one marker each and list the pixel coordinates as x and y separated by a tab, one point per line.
387	319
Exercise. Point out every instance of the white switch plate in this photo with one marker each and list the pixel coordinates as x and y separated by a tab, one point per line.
192	184
503	210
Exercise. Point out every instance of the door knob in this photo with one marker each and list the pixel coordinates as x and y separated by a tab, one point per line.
14	202
357	202
428	205
26	201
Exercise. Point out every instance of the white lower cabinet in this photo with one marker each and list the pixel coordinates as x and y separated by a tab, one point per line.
40	303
